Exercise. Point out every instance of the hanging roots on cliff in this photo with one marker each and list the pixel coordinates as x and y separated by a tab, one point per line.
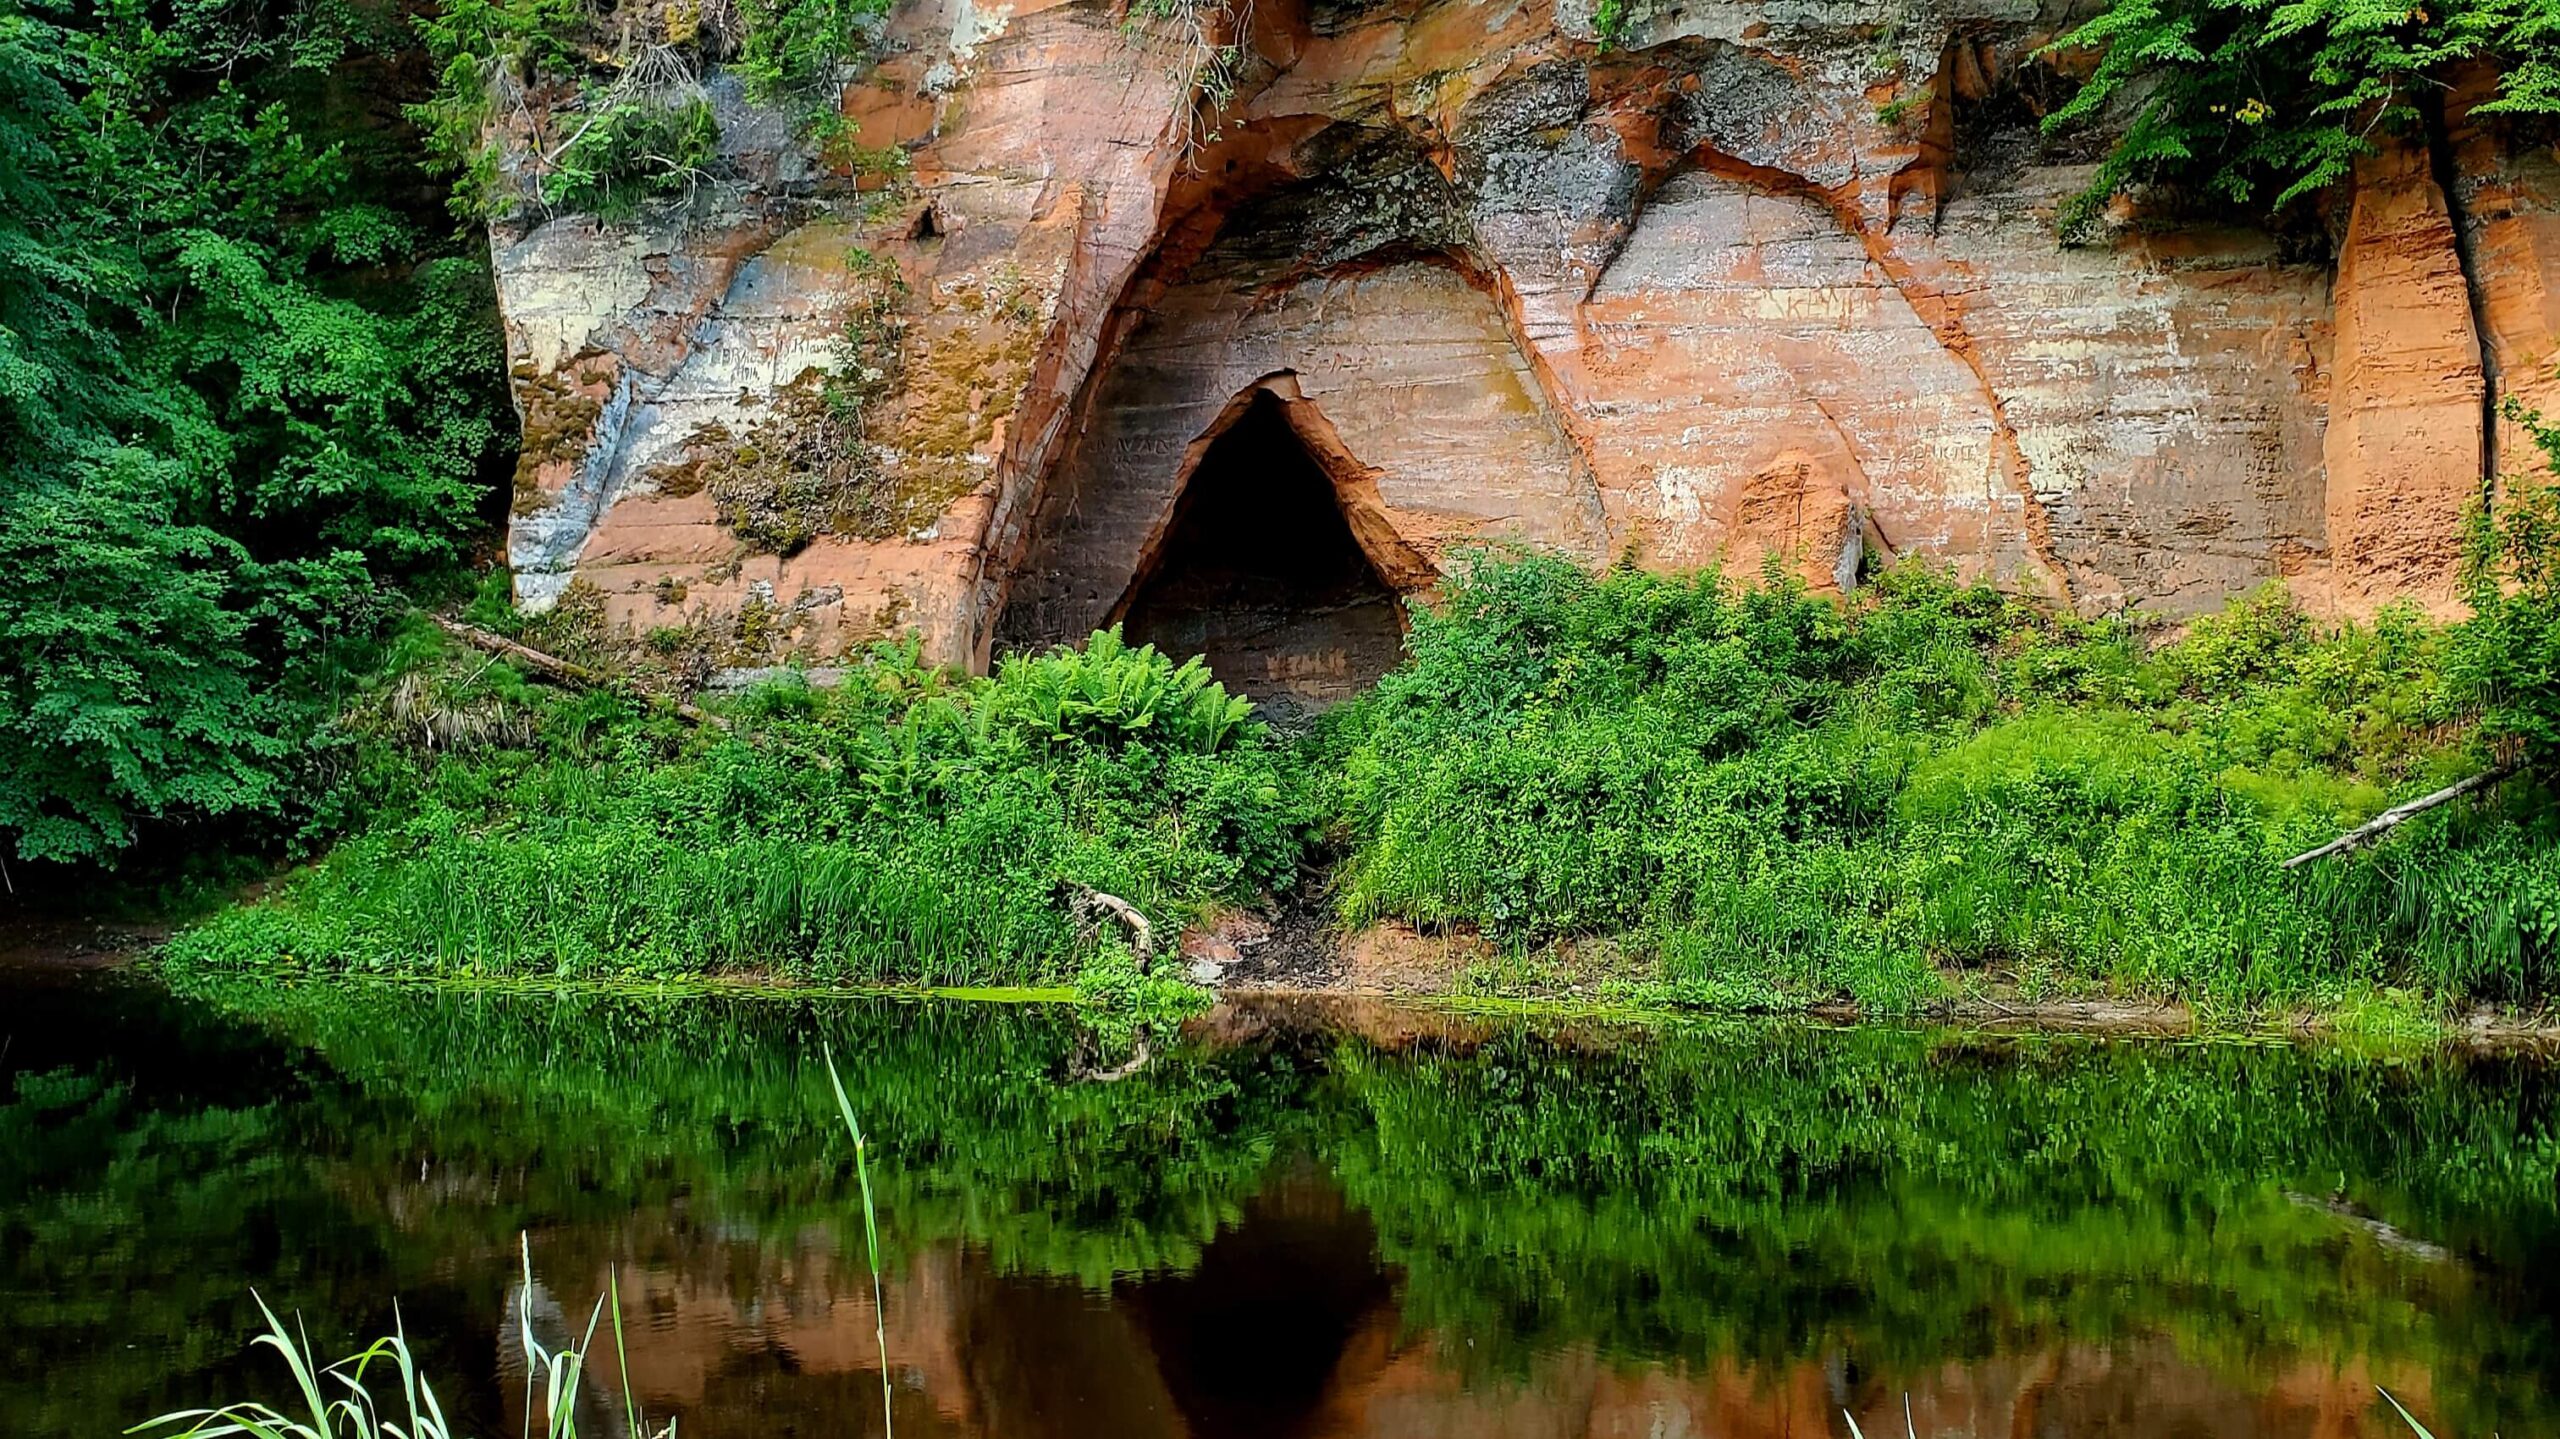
1208	67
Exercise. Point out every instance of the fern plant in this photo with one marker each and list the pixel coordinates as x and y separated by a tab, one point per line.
2261	103
1109	693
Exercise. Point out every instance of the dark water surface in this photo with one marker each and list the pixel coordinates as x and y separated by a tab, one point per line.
1361	1222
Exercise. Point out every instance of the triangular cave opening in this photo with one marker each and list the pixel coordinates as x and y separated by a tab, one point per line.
1259	573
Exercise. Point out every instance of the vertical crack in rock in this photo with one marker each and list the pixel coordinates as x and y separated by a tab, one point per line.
1939	312
1548	390
2466	253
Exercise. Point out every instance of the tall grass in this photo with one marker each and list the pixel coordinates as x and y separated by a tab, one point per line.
1756	783
870	1238
337	1401
911	827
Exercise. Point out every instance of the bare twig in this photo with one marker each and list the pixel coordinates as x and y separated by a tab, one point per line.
2393	817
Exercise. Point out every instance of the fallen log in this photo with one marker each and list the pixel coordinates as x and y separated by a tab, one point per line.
1092	905
563	670
2393	817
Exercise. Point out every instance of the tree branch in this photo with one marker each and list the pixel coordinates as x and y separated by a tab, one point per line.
2393	817
1092	905
560	669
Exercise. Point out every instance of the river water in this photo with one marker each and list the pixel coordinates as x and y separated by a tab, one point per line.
1293	1222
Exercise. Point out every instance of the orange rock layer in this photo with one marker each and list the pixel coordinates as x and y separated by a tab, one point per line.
1739	287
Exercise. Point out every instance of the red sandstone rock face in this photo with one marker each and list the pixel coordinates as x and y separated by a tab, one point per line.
1693	300
2406	424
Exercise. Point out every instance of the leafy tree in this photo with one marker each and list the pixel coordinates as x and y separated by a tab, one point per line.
241	390
2268	101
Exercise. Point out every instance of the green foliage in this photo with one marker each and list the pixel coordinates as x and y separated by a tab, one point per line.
2508	659
1758	796
240	391
626	150
1770	794
1609	21
642	125
909	826
2259	104
791	50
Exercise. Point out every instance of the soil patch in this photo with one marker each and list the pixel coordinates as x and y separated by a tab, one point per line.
73	945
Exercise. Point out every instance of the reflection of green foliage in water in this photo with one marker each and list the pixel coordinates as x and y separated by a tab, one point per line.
1768	1196
1909	1200
979	1132
136	1210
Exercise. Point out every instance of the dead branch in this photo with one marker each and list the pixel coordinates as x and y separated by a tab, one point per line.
1138	1058
562	670
2393	817
1091	905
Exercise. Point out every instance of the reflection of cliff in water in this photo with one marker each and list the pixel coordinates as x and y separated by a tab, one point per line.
1335	1219
1289	1330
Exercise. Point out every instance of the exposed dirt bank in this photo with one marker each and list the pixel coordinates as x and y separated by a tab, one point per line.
1304	960
70	945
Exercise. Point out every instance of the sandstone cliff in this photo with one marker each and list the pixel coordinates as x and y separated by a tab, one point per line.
1763	278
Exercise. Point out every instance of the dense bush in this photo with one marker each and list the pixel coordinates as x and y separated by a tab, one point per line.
908	826
1765	793
242	387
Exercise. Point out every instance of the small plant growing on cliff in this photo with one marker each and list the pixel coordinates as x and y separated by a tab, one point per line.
1211	63
795	50
2260	105
630	148
813	467
642	124
1609	22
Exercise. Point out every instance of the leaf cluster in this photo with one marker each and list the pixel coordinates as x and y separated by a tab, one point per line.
2262	103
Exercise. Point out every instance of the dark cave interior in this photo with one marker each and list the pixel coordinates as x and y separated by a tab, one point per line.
1259	572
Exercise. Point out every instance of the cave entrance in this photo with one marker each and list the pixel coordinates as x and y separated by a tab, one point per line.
1258	570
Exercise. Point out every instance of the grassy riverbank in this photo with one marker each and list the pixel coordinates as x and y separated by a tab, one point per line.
1763	798
907	826
1683	789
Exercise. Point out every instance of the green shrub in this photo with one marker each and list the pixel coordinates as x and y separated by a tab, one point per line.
2507	657
908	827
625	151
1767	792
